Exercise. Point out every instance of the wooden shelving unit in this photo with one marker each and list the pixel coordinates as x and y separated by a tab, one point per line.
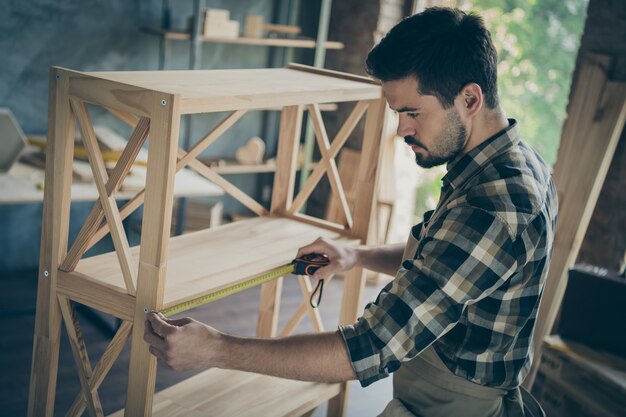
162	272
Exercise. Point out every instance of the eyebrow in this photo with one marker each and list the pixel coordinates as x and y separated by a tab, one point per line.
404	109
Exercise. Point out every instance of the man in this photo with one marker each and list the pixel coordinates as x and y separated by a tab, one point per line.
455	325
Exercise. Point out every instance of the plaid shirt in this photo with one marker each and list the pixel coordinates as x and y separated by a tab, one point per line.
473	272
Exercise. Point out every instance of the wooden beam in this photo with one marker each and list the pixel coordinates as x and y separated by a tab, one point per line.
54	237
597	113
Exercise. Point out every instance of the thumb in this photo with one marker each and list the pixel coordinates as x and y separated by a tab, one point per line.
160	325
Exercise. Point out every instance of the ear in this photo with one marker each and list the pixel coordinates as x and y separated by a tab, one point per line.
470	99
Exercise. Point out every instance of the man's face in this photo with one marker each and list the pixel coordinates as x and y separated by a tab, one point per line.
435	134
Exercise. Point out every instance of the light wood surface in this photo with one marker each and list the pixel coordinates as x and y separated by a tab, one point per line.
212	259
222	393
220	90
595	121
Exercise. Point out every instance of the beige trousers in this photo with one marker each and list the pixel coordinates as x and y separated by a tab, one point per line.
425	387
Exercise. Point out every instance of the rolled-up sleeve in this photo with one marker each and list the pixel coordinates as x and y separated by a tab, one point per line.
465	254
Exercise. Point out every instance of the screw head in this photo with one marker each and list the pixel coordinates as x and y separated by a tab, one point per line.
163	102
46	273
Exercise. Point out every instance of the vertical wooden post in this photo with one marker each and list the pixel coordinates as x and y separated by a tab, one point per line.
282	196
364	214
54	236
155	234
595	121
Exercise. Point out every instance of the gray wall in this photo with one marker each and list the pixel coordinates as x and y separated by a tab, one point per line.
94	35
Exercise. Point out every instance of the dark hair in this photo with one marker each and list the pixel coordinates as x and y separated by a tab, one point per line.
444	49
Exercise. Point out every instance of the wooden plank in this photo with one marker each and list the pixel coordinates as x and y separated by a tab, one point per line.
107	201
598	115
331	166
163	146
218	393
81	358
204	91
99	295
332	73
54	236
94	219
103	366
338	142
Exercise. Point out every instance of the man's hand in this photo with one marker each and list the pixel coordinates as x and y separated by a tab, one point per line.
182	344
341	258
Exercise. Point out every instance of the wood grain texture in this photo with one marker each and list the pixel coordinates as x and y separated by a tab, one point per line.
219	393
54	237
596	118
163	146
286	158
340	139
107	201
94	219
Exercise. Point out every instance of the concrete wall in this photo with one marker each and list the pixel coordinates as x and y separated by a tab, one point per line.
94	35
605	242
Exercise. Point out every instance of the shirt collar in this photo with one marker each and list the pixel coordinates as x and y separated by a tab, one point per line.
464	166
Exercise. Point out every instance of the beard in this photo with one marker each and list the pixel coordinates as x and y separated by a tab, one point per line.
446	146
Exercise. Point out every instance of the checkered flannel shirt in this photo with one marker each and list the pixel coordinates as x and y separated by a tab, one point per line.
473	272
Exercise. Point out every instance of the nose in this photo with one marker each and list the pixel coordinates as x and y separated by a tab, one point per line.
405	127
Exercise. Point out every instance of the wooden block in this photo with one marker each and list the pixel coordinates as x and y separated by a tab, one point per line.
227	29
287	29
253	26
216	16
252	152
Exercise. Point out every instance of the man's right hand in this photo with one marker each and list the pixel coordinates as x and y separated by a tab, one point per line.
341	258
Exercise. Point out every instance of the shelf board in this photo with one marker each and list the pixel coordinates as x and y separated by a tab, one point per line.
219	392
202	262
299	42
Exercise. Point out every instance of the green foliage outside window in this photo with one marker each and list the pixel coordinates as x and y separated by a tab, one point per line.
537	43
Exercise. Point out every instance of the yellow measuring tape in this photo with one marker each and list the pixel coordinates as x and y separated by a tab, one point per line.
233	289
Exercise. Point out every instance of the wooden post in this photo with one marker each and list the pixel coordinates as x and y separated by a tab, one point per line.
595	121
162	151
282	196
54	236
364	211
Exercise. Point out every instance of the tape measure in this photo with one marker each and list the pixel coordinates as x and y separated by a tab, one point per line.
307	265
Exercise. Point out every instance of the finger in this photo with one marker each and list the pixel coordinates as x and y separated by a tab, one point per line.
153	339
159	325
318	246
326	272
158	354
179	322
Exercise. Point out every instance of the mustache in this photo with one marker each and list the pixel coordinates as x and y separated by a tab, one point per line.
410	140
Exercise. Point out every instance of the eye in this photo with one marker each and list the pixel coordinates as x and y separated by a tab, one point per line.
413	115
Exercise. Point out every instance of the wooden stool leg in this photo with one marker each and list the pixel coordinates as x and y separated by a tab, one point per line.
155	233
56	211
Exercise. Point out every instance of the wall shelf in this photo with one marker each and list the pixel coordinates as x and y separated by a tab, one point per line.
299	42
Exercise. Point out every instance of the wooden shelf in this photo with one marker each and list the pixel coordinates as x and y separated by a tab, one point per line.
299	42
219	393
199	263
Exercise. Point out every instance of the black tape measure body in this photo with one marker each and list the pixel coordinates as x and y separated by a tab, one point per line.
308	265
